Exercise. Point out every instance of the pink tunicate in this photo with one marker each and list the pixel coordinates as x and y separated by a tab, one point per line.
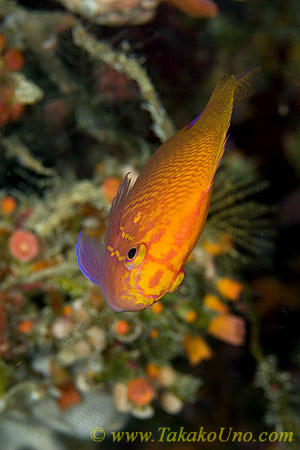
23	245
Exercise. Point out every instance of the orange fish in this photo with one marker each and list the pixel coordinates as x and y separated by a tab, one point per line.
196	8
155	224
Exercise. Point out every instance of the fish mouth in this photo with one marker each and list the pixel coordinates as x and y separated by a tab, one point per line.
134	300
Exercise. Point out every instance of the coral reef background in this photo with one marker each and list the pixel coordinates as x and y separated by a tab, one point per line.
88	90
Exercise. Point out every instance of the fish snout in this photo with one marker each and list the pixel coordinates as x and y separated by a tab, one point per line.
136	301
132	300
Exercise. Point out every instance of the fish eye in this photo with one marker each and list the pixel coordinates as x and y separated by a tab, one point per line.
135	256
131	254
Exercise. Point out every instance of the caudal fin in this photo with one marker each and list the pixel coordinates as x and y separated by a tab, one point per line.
246	84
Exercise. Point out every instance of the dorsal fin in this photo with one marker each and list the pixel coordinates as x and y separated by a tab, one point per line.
117	207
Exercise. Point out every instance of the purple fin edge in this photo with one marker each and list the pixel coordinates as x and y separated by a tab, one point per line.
193	122
96	258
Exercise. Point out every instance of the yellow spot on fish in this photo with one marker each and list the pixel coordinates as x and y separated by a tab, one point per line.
116	253
125	235
137	217
120	258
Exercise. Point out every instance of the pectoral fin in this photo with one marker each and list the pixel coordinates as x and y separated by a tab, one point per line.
90	257
178	281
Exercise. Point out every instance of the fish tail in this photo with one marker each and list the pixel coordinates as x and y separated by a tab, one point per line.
212	125
207	132
230	91
246	84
